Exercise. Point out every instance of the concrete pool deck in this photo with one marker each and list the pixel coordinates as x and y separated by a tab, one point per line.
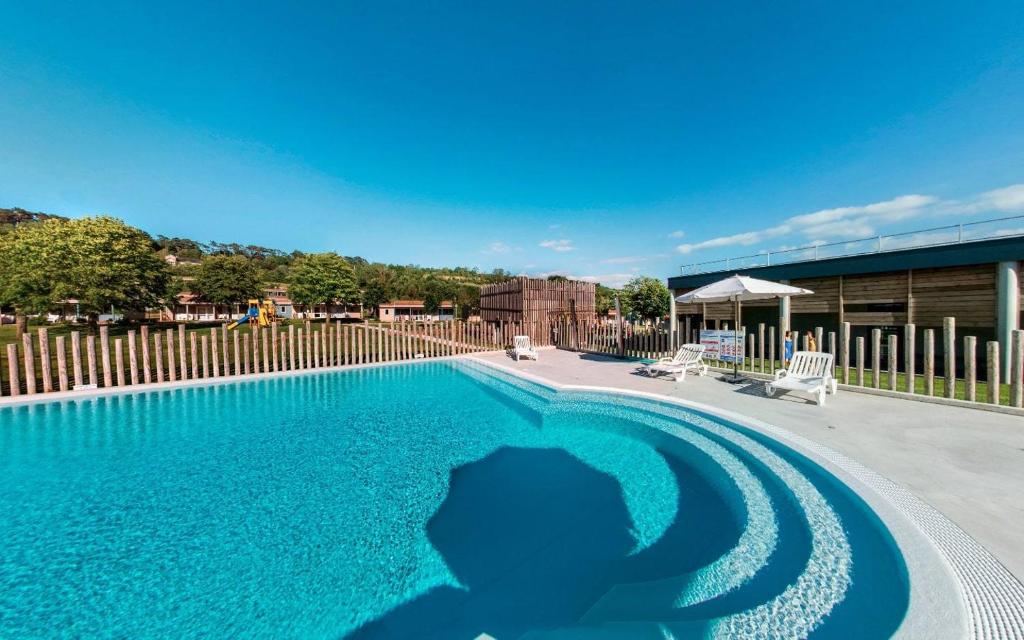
968	464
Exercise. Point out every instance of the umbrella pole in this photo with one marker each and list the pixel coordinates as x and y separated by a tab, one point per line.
736	344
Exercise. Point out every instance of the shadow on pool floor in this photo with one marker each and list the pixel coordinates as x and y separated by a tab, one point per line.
532	534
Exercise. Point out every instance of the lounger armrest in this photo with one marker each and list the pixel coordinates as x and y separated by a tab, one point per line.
780	374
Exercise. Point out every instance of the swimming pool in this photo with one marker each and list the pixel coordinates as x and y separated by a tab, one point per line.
430	500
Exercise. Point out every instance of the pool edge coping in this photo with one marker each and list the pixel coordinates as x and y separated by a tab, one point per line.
974	581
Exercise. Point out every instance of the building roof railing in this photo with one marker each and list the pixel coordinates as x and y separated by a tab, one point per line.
934	237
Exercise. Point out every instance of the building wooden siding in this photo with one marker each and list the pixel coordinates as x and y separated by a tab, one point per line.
920	296
966	293
533	300
824	300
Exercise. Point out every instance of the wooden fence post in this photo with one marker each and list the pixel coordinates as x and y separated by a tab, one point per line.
193	349
205	348
62	364
29	362
893	369
1017	368
44	359
108	378
264	340
119	360
215	353
235	343
90	355
225	353
158	355
845	342
283	337
12	369
949	346
860	361
909	346
970	368
76	357
133	363
245	353
307	346
832	350
760	346
819	334
876	358
993	372
771	350
274	340
172	370
182	360
929	362
338	360
291	347
346	344
254	335
147	376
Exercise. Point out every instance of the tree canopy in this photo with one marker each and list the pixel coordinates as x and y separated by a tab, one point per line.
647	298
101	262
322	278
227	279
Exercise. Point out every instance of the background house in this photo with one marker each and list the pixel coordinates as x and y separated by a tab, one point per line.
406	310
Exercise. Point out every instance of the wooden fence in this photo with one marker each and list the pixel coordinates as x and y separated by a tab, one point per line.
877	365
43	364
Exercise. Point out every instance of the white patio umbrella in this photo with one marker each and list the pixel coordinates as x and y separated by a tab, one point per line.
736	289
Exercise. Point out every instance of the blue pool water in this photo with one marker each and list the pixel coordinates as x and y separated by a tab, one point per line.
433	500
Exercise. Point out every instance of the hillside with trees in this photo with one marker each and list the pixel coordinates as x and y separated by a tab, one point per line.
105	265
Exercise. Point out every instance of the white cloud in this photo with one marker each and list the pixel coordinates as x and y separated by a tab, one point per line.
678	233
842	222
558	245
744	239
863	221
624	260
498	247
1006	200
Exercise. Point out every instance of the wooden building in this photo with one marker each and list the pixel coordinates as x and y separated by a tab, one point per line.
415	310
977	283
532	300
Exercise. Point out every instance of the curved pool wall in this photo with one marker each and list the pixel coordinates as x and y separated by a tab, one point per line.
213	562
958	589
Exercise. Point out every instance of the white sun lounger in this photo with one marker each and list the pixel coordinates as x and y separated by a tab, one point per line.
523	348
688	358
809	372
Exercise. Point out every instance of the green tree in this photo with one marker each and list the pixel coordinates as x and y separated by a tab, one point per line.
227	279
605	299
99	261
437	291
322	278
648	298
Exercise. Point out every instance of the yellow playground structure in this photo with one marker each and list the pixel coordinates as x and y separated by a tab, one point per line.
260	314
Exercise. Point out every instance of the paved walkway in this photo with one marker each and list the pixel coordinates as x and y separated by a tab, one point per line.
967	463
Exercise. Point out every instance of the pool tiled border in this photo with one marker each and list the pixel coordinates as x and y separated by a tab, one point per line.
992	598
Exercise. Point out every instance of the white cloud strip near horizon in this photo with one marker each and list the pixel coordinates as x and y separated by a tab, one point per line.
863	221
558	245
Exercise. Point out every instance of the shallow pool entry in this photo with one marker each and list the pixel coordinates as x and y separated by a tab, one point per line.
435	500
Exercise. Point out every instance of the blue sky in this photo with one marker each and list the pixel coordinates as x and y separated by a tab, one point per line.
593	139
